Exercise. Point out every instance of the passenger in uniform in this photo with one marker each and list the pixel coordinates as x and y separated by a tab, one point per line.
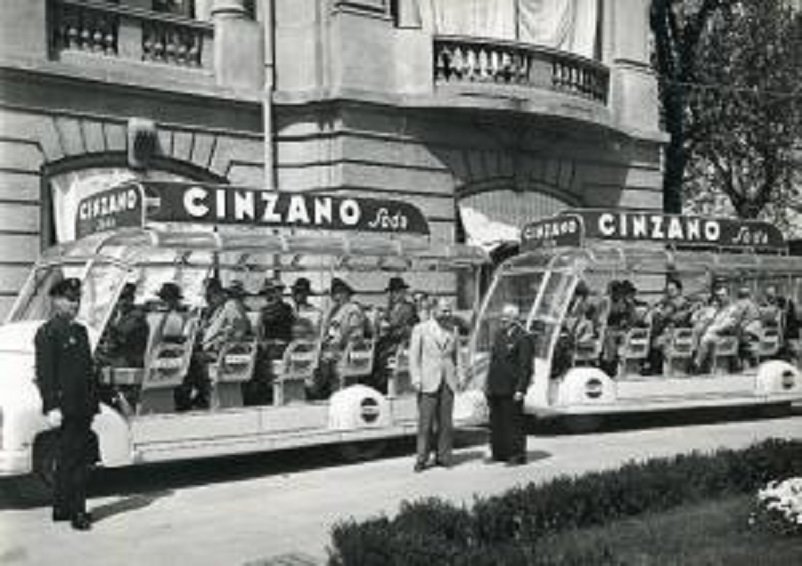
65	377
433	368
508	378
126	338
304	310
396	325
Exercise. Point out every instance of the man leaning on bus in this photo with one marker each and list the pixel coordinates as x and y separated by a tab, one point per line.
66	383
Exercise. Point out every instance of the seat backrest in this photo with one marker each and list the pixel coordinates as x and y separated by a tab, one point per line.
680	343
636	343
236	361
300	359
357	358
726	346
770	340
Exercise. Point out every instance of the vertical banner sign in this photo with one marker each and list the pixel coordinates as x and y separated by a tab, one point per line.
119	207
222	204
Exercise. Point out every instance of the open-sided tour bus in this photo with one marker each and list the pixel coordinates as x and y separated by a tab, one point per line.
149	234
591	284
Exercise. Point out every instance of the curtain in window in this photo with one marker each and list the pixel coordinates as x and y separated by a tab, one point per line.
567	25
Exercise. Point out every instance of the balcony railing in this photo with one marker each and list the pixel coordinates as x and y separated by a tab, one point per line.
119	31
464	60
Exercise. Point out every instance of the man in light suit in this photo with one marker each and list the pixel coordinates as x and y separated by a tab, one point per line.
433	358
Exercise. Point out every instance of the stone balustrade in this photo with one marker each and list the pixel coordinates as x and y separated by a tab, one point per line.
116	30
466	60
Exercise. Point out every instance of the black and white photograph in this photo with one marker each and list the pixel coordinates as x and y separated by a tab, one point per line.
401	282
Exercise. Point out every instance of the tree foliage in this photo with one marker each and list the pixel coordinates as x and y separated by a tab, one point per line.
730	74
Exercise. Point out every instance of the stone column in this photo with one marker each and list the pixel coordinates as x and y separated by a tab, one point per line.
238	47
634	98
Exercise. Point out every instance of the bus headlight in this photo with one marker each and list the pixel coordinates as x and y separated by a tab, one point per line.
593	388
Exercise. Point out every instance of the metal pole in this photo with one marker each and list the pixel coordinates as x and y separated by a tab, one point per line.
268	21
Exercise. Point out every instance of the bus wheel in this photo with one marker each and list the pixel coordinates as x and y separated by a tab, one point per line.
361	451
583	424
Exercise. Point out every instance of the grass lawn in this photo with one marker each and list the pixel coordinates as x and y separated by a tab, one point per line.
713	533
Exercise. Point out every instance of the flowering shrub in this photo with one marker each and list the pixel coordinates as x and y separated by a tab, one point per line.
779	507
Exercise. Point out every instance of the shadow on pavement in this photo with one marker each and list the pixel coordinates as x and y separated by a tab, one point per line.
664	419
130	503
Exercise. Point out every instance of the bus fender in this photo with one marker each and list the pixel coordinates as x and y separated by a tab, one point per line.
587	385
357	407
777	376
114	437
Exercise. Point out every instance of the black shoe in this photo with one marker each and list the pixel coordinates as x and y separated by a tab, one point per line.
419	467
59	515
82	522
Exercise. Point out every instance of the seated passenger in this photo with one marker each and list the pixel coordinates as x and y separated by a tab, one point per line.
750	327
396	328
785	313
170	326
718	320
228	320
670	312
126	338
301	290
621	317
344	322
277	315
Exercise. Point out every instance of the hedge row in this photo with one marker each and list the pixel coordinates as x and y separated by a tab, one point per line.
504	529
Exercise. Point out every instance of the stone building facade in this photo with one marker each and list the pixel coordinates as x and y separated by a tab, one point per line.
409	99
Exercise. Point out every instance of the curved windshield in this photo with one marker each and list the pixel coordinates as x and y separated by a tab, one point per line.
100	283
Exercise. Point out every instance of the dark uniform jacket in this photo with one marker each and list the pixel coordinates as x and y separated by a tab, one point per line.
64	370
510	362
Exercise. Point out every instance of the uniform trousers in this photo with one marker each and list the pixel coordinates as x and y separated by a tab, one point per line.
75	453
507	428
435	421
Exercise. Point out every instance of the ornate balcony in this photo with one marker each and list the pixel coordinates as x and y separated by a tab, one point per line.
110	30
472	61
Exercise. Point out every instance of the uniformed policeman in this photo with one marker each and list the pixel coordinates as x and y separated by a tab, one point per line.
66	382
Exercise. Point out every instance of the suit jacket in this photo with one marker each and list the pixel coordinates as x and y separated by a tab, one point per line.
64	370
433	356
510	368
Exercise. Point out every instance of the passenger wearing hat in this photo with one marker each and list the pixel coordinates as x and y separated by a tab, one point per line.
345	319
126	337
309	314
344	322
170	326
65	377
277	315
228	320
401	316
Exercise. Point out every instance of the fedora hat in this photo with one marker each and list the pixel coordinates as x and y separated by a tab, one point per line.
170	291
302	284
338	285
396	284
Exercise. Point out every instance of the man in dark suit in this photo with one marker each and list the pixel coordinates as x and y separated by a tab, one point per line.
66	382
508	378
